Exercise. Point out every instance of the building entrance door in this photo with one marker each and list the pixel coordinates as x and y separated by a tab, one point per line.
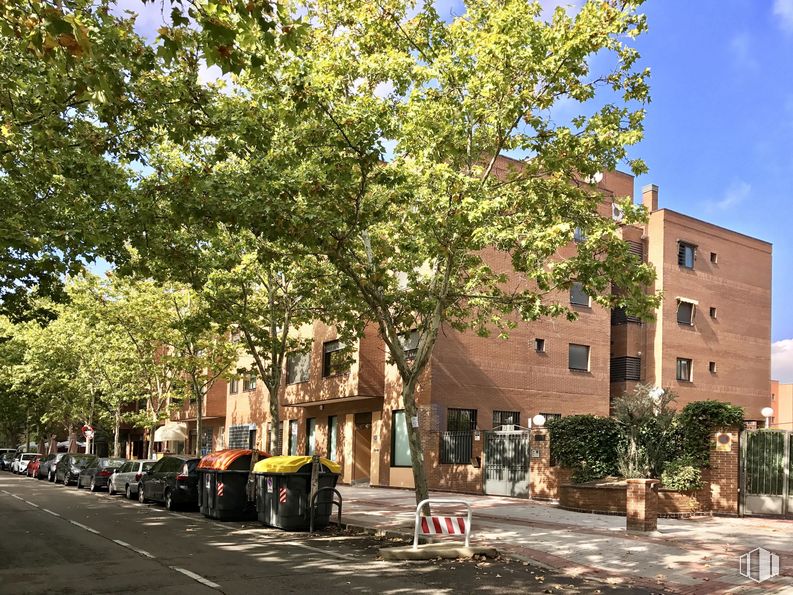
767	472
506	471
362	448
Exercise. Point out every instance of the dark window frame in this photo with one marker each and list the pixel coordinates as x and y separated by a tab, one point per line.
410	343
683	250
682	306
329	366
684	369
234	386
539	345
292	369
394	414
333	449
577	295
570	357
455	415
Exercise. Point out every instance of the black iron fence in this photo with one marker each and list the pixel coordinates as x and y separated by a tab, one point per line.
457	447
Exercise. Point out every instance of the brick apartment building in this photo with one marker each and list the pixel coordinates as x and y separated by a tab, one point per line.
711	340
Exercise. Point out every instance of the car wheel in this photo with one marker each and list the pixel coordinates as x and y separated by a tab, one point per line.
93	485
141	495
79	485
110	489
169	503
128	492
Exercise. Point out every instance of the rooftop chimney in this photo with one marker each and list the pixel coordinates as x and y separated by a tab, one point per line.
650	197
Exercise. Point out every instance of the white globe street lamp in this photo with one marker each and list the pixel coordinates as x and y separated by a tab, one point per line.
538	420
767	413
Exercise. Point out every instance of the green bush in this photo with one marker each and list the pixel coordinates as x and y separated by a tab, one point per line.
698	421
587	444
681	475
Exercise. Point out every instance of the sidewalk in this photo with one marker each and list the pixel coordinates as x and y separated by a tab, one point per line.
685	556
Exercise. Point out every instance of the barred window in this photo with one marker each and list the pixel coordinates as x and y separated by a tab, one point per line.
461	420
506	418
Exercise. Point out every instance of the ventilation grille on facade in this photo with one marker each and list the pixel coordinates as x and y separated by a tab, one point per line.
636	248
626	368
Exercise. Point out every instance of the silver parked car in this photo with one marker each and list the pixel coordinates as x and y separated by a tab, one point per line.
126	479
48	464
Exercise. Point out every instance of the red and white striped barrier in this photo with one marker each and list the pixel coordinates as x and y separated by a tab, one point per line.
442	525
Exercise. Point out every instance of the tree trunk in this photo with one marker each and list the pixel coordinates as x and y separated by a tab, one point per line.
117	431
199	419
274	415
414	439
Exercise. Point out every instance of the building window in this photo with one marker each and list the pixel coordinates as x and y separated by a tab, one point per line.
579	357
279	445
400	447
333	437
684	366
292	437
311	431
712	312
685	313
714	258
506	418
578	296
685	254
712	367
551	416
252	439
333	359
579	235
297	366
249	382
410	343
539	345
461	420
234	386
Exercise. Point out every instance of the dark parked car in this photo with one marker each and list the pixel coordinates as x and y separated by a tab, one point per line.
173	480
6	459
69	467
98	474
47	466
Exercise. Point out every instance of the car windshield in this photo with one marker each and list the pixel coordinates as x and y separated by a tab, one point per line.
27	457
148	465
111	462
82	461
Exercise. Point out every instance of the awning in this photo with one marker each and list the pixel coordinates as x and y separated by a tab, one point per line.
171	432
687	300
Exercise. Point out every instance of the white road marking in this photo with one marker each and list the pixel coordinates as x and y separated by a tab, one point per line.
319	550
86	527
196	577
47	510
133	548
32	503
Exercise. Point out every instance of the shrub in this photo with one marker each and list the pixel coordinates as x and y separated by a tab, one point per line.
587	444
698	421
647	418
681	475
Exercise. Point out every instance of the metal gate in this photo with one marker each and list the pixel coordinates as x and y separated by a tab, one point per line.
766	472
506	465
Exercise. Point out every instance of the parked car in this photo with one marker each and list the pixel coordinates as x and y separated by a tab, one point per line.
6	459
173	480
69	467
33	466
47	465
126	479
20	464
97	475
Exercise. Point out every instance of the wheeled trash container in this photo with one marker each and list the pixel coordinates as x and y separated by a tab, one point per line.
283	492
222	480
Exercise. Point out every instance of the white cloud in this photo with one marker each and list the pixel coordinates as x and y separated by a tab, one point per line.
782	361
735	194
783	9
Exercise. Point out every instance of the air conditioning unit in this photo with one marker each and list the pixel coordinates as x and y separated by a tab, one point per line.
616	212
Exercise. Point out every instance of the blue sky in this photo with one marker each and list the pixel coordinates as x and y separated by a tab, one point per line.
719	130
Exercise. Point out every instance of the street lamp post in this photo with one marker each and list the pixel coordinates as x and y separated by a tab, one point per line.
768	413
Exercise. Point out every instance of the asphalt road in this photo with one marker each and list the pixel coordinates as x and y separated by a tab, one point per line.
56	539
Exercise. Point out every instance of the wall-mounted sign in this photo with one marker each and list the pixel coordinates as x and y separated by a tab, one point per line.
723	442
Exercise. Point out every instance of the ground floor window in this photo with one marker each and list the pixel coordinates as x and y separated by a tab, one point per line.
293	437
311	428
333	437
506	418
400	447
